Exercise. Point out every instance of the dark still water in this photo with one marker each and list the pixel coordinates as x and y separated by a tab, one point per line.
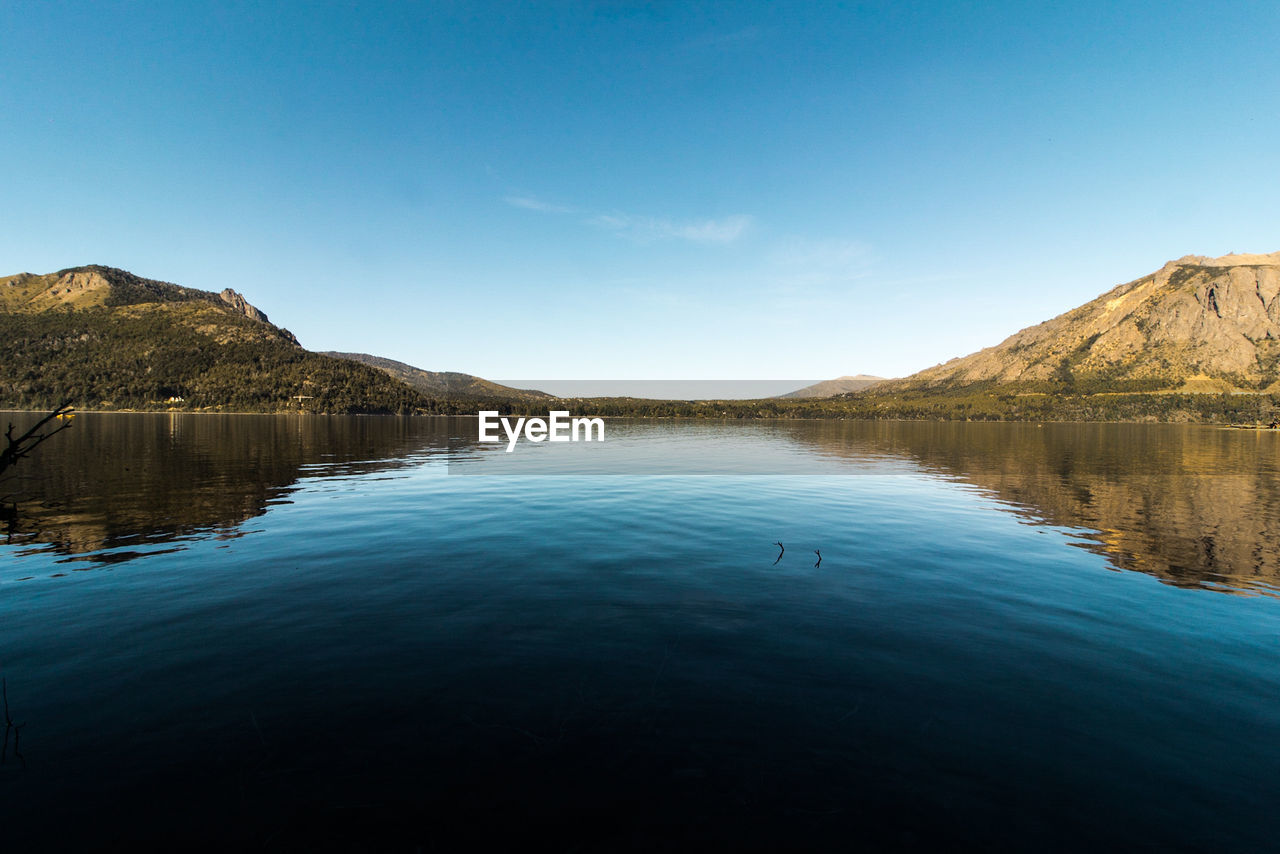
301	633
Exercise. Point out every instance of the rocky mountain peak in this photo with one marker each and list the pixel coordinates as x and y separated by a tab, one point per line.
241	305
98	285
1197	323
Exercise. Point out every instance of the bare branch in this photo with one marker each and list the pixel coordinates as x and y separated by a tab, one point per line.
16	449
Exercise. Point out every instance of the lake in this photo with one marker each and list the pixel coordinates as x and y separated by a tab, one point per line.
290	632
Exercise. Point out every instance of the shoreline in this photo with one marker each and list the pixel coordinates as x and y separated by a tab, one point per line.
1265	428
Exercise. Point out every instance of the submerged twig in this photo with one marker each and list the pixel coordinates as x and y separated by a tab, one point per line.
10	726
781	551
819	563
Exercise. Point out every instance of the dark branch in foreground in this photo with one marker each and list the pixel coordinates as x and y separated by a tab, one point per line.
17	448
781	552
10	726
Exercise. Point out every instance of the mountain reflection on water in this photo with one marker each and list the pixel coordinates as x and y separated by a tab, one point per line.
125	481
1193	506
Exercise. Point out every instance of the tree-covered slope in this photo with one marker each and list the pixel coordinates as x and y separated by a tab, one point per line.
441	383
105	339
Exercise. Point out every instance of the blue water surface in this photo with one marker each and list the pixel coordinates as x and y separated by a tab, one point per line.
398	656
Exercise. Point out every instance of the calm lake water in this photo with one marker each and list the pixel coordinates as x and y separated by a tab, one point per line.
291	633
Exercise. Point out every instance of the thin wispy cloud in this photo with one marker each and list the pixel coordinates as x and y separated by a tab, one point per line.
806	263
529	203
836	254
646	229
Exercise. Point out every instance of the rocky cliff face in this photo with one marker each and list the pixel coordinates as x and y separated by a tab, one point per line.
1196	324
96	285
241	305
80	287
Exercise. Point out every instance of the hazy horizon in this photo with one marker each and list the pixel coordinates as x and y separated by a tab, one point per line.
663	389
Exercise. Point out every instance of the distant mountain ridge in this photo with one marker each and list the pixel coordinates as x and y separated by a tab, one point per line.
105	338
840	385
439	383
1197	340
1195	325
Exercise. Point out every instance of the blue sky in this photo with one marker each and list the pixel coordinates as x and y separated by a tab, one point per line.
620	190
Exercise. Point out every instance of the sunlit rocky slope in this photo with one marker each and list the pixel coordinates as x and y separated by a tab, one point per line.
1195	325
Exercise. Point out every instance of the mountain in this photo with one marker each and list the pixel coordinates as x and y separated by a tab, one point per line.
1196	325
104	338
840	385
95	285
440	383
